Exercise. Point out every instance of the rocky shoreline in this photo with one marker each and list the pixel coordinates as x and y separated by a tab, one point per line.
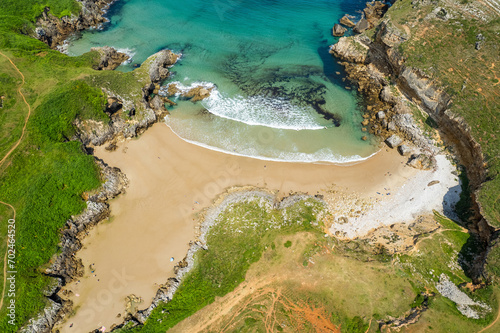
376	67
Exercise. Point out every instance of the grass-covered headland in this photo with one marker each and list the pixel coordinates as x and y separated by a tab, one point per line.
44	178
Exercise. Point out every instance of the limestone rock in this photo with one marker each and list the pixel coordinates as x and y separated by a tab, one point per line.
381	115
110	58
346	21
393	141
390	35
338	30
361	26
404	150
159	68
352	49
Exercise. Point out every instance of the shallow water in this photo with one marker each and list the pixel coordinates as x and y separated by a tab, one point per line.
277	93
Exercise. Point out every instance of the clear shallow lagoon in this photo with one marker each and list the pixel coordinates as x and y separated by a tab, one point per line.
277	93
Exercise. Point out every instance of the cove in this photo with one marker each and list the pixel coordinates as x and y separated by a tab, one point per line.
278	94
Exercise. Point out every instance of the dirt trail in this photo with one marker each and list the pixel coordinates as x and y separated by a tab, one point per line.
27	116
3	161
495	321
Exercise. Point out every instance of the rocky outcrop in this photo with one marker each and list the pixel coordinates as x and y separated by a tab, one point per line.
345	20
127	119
65	267
338	30
53	30
159	68
425	93
352	49
110	58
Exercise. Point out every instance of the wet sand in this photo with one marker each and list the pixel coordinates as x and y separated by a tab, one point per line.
170	181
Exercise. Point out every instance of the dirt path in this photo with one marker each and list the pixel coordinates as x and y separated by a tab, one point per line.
495	321
27	116
3	161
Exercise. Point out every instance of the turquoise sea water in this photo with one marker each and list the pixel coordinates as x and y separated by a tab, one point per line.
277	95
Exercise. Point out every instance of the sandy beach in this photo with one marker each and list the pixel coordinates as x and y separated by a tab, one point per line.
170	181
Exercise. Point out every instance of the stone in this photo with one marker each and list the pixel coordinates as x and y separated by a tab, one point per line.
338	30
364	138
393	141
365	122
346	21
110	58
381	115
362	26
434	182
404	150
352	49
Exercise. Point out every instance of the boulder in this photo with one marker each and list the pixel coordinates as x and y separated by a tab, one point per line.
338	30
110	58
361	26
422	161
353	49
346	21
159	68
404	150
381	115
393	141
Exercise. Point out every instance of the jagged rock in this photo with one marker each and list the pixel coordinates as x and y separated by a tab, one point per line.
346	21
422	161
352	49
338	30
433	97
44	321
110	58
387	96
404	150
361	26
113	105
380	115
53	30
158	105
393	141
374	11
159	67
390	35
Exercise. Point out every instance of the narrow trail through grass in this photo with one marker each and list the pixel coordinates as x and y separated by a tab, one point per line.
3	161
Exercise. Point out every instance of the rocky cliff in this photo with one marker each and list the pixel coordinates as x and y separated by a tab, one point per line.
53	30
381	75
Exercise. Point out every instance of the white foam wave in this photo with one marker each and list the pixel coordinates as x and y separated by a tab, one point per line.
129	52
321	156
255	110
263	111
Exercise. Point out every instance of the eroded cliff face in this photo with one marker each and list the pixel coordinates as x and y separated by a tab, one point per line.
378	62
53	30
